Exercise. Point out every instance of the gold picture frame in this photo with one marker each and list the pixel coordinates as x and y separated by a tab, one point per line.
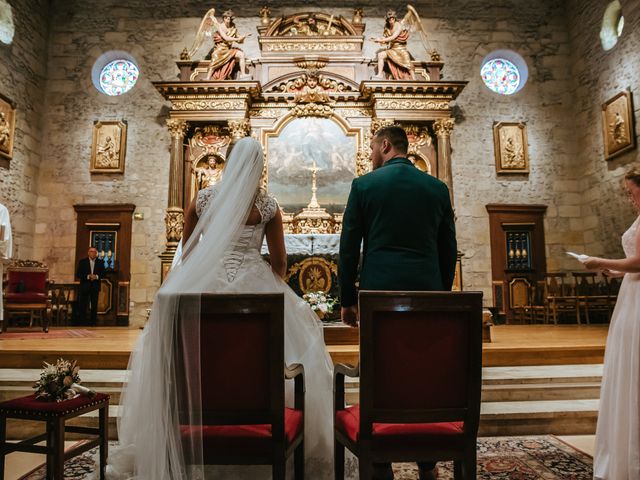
511	147
7	127
618	128
108	148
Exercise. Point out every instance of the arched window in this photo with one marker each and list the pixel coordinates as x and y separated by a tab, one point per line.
7	29
612	25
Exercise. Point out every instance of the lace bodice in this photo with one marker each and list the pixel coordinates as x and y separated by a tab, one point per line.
629	239
250	241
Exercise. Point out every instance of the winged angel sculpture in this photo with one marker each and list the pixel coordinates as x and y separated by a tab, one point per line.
223	55
396	57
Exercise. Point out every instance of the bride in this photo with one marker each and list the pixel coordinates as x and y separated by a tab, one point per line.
224	230
617	446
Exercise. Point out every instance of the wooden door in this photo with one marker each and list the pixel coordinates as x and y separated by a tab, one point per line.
108	228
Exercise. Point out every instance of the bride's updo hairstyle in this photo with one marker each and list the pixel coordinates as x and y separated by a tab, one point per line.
633	174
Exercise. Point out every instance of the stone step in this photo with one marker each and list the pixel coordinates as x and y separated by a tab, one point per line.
557	417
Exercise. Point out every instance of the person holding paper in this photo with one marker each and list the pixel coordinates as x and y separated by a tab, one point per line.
617	448
6	248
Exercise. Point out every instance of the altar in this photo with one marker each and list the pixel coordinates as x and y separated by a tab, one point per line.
314	101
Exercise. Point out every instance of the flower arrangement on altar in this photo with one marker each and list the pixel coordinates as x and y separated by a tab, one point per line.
320	302
60	382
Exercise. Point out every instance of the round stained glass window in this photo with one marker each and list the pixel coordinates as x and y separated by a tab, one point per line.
501	76
118	77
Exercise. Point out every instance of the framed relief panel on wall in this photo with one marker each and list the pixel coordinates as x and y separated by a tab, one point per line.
511	149
109	146
617	125
7	127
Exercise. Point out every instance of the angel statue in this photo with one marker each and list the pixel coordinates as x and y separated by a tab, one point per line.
396	56
223	55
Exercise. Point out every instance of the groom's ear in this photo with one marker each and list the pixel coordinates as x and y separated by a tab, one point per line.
386	145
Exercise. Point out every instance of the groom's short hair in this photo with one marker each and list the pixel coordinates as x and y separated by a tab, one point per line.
396	136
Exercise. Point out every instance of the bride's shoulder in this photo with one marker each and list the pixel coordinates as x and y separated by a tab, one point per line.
267	205
204	197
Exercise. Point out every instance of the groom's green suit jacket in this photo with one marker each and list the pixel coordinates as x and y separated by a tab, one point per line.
405	219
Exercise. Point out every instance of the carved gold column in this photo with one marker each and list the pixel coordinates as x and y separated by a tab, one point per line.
443	129
174	219
239	129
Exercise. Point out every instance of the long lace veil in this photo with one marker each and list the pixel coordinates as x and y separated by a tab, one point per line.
163	391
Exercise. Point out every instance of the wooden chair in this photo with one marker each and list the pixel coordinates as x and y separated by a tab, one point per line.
243	416
61	296
589	296
559	297
537	310
26	292
420	381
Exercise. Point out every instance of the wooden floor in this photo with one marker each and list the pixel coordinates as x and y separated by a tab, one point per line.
109	348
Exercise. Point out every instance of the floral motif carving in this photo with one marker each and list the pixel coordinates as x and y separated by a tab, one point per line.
412	104
174	222
208	105
239	128
177	127
444	126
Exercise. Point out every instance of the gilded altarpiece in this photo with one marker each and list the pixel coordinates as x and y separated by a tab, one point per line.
314	108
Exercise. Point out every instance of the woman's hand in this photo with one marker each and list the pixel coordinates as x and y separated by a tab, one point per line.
612	273
593	263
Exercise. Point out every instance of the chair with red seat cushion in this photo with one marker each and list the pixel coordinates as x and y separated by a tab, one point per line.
26	292
420	382
242	418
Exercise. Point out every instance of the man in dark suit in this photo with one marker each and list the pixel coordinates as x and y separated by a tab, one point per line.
90	270
405	219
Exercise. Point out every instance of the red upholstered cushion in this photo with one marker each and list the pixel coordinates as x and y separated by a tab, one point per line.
27	297
251	439
33	281
392	436
31	405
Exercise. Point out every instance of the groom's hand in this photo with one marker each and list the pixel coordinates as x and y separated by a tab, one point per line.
350	315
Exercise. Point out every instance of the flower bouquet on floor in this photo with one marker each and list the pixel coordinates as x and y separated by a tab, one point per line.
321	303
60	382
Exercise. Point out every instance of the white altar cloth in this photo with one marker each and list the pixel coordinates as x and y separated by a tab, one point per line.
309	244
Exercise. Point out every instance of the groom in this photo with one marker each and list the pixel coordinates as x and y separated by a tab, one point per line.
405	219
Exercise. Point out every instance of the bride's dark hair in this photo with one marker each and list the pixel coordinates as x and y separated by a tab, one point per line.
633	174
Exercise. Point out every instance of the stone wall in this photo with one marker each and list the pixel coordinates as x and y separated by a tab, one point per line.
154	33
23	69
598	75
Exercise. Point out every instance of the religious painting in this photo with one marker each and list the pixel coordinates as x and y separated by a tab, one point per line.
207	154
7	127
109	146
311	147
617	125
511	148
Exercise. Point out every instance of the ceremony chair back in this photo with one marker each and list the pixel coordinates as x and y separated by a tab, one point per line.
420	381
243	415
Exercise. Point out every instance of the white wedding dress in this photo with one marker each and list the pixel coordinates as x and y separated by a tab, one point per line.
222	255
617	449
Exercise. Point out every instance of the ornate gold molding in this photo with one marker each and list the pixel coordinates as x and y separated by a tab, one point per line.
209	105
444	126
363	161
177	128
310	45
411	104
312	110
378	123
239	128
174	221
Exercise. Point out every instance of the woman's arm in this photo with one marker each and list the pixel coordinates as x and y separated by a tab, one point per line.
274	233
190	221
626	265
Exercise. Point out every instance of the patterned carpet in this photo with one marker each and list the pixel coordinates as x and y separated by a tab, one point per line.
509	458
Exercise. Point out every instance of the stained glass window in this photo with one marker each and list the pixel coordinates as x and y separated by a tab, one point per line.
501	76
118	77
